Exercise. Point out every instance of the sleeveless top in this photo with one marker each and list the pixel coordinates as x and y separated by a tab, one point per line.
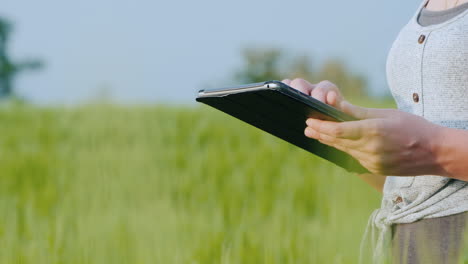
427	73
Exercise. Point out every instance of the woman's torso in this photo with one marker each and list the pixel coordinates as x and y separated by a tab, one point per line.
427	72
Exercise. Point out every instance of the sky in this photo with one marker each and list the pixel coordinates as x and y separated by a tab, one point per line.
164	51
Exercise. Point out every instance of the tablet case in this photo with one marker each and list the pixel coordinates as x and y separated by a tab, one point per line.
281	111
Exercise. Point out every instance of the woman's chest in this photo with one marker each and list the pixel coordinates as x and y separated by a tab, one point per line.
427	72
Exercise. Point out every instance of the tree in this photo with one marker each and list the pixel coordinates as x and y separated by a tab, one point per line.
350	84
9	69
261	64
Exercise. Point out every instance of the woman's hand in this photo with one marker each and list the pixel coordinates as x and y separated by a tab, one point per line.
385	141
325	91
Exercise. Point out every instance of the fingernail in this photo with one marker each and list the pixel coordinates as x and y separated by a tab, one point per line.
309	122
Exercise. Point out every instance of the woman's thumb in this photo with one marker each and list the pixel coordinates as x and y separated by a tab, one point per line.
353	110
362	112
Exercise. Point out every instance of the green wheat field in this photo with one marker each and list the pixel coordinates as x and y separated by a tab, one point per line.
103	183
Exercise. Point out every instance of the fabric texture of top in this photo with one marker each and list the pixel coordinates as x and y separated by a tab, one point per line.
429	17
431	64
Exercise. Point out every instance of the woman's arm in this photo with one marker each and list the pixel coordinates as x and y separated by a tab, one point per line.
375	181
451	152
388	141
393	142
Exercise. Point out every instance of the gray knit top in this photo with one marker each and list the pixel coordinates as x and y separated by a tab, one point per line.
427	72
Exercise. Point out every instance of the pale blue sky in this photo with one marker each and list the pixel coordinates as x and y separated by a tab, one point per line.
164	51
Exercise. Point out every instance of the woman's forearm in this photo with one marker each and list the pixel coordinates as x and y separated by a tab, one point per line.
451	151
376	181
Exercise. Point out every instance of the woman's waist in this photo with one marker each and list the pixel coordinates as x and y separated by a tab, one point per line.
424	195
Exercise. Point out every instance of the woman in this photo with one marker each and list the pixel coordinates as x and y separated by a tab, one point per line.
423	145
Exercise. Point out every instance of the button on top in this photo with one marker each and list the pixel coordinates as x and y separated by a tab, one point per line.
421	39
415	97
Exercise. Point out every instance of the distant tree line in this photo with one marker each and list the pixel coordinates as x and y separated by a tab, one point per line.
8	68
261	64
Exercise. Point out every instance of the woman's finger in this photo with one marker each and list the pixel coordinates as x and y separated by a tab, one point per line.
329	92
349	129
330	140
361	156
302	85
363	112
319	94
332	98
361	144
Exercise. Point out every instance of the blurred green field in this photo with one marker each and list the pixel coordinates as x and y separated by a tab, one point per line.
168	184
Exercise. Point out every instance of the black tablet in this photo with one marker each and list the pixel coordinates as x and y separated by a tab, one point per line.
280	110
